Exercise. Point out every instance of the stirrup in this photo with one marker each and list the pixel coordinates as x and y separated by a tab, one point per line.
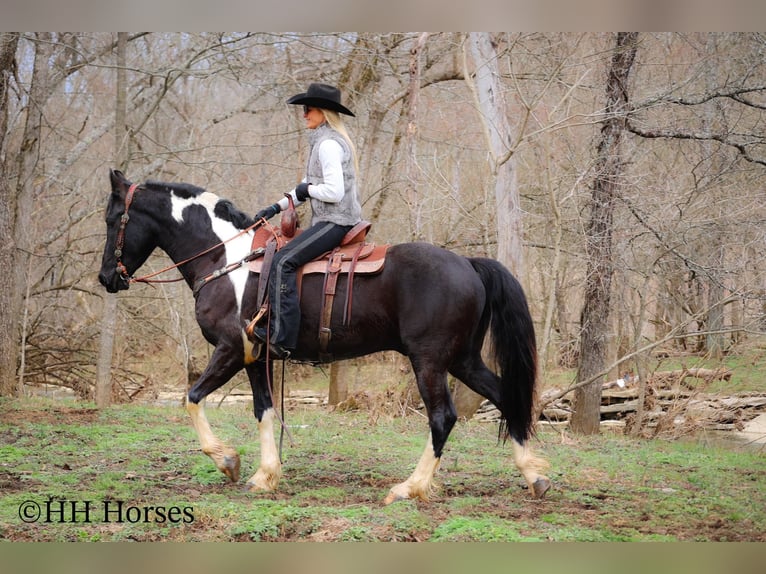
258	316
273	350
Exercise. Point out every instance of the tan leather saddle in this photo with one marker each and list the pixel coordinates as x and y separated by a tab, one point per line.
355	253
353	256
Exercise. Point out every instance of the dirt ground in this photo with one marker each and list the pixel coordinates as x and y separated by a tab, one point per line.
608	502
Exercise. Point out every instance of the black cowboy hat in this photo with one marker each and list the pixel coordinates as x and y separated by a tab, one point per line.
321	96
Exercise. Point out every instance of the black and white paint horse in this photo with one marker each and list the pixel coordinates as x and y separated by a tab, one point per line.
429	304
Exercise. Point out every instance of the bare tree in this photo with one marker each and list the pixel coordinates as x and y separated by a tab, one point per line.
502	142
28	185
9	302
606	188
411	137
121	154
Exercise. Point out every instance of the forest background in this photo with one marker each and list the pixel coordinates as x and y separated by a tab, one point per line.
618	175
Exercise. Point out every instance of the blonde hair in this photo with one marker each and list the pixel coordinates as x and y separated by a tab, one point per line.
336	122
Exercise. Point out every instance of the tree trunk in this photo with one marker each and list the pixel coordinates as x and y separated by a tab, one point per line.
594	320
413	95
714	340
555	273
339	373
9	310
494	116
357	77
29	184
109	317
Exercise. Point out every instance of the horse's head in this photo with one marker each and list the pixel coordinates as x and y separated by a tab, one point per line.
130	238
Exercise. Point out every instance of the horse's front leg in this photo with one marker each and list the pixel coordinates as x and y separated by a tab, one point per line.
270	469
225	458
222	366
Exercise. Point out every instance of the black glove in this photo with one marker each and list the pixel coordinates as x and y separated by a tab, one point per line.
268	213
302	191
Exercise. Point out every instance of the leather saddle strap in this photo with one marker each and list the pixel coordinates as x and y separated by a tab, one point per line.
330	282
350	288
263	283
263	279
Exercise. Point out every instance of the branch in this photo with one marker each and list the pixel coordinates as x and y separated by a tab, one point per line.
735	94
670	134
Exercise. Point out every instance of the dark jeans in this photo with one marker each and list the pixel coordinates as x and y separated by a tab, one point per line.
283	286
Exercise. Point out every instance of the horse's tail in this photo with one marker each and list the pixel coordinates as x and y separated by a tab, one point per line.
513	346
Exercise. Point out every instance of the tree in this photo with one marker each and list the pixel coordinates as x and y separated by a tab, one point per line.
502	141
411	137
600	265
121	154
28	185
9	303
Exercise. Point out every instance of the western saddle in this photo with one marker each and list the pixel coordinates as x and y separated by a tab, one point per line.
353	256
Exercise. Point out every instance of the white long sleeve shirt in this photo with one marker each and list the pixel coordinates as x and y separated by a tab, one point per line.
332	189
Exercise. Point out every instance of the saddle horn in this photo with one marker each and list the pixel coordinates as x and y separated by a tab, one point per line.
289	222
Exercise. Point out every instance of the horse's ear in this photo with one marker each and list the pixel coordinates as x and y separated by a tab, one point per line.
118	180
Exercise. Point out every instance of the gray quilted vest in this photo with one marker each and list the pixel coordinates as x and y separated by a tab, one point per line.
348	211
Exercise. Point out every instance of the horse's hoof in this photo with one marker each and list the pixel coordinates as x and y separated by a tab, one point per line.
540	487
255	487
231	467
393	497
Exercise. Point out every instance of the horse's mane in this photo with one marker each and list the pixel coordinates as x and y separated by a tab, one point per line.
224	209
183	190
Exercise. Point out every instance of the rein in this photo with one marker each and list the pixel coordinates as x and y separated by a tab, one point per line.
123	271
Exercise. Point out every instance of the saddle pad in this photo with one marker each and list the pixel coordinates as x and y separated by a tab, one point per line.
371	260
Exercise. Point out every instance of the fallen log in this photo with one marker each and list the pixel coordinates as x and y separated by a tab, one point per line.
678	376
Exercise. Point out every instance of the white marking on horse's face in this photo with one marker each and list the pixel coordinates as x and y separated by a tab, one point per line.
236	249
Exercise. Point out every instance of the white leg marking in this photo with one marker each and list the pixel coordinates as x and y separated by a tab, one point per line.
531	467
225	458
420	482
268	474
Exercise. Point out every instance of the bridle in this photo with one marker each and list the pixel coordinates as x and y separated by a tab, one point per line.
120	243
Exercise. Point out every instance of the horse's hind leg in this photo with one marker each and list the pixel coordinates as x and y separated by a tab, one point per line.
441	418
222	366
475	374
420	483
531	468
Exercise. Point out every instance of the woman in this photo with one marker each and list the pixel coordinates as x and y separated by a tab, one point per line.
330	185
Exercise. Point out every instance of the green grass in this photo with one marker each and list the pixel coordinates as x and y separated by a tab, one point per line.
606	487
481	528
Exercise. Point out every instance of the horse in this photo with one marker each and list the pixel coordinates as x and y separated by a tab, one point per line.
428	303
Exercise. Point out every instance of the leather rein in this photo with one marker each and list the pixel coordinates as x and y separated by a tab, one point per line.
123	271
